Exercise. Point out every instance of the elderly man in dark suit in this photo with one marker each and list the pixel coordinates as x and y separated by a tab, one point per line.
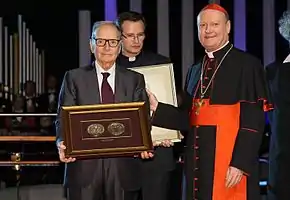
103	82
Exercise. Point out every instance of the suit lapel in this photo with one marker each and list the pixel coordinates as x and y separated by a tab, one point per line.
92	85
120	85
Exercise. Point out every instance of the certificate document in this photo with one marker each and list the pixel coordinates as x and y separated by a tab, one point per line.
160	81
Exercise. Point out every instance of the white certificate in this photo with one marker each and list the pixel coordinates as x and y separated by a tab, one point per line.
160	81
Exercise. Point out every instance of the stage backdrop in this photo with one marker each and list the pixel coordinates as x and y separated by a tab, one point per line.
61	30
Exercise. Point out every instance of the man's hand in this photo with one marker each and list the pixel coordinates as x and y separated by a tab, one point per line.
153	100
61	147
233	177
164	143
146	155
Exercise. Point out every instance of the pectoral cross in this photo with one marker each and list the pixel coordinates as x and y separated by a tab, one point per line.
198	104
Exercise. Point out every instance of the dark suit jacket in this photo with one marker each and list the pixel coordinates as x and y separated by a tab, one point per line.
80	87
278	75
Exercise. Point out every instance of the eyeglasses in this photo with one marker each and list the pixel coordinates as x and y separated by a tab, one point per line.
139	36
100	42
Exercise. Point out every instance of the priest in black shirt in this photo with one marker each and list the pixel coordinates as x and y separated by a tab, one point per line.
156	172
133	25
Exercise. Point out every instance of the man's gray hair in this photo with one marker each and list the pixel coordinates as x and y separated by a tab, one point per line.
98	24
284	25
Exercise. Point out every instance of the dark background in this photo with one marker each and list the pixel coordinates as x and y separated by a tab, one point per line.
54	26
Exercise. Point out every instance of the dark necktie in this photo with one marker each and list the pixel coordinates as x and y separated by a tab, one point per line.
106	90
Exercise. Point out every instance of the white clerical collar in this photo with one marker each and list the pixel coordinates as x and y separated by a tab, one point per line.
210	54
132	59
101	70
287	59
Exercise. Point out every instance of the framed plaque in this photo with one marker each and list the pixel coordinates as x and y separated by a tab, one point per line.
106	130
160	81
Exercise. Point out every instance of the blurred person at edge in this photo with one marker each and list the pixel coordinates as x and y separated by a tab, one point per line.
278	76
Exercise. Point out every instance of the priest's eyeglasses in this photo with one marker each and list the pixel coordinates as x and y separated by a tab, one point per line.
139	36
100	42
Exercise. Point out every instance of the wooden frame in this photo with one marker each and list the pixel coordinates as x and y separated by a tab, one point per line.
160	81
106	130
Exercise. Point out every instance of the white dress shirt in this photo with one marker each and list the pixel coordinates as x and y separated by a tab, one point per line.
210	54
287	59
111	78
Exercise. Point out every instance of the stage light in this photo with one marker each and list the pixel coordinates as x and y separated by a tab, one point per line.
110	10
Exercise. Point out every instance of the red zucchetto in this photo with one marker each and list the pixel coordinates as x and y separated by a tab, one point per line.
214	6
